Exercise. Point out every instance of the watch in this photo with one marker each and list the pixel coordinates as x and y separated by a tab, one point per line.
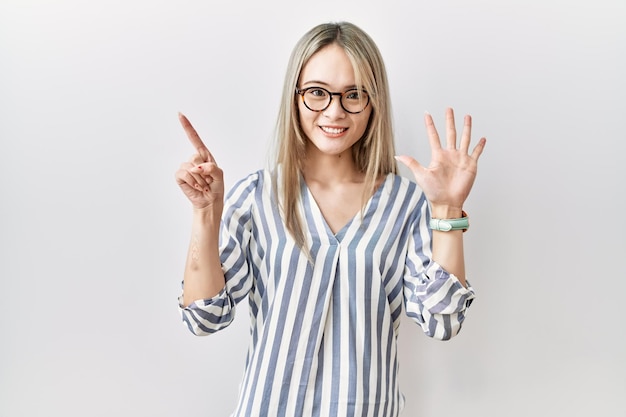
446	225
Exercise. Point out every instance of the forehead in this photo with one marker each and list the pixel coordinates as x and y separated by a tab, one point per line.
330	66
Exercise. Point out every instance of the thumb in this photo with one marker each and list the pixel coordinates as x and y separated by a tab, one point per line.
416	168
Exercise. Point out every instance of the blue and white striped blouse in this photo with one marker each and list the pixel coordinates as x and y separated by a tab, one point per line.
324	333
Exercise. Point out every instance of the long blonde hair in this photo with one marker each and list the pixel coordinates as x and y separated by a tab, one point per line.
373	153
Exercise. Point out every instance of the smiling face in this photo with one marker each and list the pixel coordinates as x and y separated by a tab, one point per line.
332	131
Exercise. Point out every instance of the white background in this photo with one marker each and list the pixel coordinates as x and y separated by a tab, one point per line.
94	231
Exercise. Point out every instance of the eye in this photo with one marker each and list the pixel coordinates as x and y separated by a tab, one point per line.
355	95
316	92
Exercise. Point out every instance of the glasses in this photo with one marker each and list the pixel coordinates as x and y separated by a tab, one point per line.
318	99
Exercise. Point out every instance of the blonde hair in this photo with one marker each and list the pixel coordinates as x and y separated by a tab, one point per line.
373	153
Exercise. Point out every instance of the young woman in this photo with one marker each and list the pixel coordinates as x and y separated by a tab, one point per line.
330	244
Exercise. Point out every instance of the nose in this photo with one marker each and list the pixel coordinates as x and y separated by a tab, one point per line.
334	109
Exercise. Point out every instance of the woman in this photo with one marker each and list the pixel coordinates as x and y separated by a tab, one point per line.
330	244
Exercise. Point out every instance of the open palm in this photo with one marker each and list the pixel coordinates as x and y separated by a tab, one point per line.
448	179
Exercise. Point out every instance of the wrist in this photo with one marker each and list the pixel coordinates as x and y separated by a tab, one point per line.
445	212
210	214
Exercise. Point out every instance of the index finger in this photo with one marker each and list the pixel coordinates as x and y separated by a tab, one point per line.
194	138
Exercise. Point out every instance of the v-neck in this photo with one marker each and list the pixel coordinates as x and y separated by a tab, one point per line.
317	212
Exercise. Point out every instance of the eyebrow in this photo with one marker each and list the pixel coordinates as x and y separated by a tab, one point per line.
350	87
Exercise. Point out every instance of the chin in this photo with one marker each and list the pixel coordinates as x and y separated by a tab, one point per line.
333	146
329	149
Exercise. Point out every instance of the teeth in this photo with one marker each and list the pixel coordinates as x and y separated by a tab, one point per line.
332	130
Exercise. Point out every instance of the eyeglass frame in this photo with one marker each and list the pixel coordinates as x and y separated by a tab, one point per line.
302	91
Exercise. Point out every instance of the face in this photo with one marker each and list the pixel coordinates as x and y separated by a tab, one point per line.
332	131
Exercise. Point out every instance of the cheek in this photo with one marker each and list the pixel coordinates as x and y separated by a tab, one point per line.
306	117
364	123
305	121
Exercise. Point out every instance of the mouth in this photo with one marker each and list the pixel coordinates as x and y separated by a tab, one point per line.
333	130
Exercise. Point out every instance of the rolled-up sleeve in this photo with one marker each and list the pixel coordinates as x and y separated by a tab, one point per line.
204	317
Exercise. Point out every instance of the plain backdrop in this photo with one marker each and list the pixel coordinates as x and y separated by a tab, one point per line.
94	231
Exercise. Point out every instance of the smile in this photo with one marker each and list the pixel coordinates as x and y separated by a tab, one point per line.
333	130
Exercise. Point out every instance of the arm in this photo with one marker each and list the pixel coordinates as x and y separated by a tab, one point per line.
211	309
201	180
216	273
435	298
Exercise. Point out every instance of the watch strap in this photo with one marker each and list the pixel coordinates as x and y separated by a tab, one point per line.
447	225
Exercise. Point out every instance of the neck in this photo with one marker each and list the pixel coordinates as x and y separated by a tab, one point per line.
331	168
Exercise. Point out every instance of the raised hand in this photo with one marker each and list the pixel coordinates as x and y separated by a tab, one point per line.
200	178
448	179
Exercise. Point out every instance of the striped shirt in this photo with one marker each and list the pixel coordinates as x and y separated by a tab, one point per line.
324	333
